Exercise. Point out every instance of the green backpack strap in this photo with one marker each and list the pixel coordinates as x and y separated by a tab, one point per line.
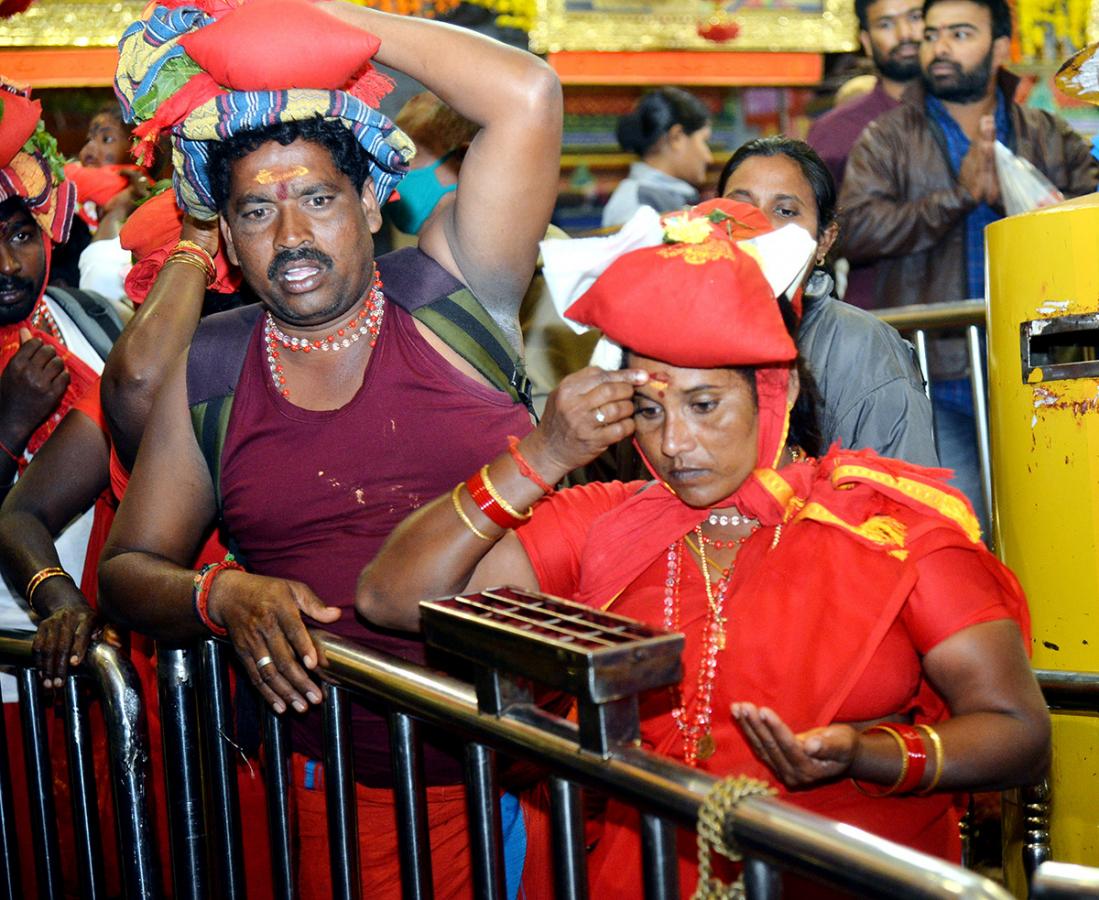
424	289
465	326
214	363
210	421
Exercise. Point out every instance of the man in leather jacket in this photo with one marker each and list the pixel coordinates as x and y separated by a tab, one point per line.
921	185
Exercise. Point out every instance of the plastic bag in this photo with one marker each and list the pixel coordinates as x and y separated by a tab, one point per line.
1022	187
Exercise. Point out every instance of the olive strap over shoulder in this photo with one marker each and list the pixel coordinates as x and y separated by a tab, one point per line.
419	285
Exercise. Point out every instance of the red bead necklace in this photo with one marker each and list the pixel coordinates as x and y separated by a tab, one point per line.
367	322
722	545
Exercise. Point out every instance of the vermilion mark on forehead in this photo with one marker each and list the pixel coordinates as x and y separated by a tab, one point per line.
279	176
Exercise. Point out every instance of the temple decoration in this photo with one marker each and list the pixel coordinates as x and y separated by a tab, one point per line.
1049	31
804	26
510	13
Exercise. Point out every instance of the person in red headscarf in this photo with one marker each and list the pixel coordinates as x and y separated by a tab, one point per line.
749	544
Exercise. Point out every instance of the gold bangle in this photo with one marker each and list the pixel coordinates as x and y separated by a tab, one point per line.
495	495
192	261
892	789
192	247
462	513
937	743
43	575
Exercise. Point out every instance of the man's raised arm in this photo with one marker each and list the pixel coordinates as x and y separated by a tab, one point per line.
507	187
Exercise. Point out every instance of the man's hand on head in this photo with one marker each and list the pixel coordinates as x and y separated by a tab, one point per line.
263	617
31	386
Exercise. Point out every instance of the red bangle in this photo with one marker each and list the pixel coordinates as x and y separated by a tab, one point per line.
524	467
488	505
203	582
917	757
913	760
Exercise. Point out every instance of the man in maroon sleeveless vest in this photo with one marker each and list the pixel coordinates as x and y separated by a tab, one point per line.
348	414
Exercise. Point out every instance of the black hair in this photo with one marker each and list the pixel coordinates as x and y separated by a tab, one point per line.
654	115
114	110
13	205
998	11
347	153
812	167
804	422
862	8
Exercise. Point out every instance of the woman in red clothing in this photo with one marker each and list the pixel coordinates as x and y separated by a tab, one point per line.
848	637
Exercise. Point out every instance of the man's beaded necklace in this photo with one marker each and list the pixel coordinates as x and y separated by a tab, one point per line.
366	323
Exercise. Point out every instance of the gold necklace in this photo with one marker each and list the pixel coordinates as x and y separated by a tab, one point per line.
719	619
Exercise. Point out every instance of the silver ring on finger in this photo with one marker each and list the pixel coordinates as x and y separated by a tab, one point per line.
263	661
600	416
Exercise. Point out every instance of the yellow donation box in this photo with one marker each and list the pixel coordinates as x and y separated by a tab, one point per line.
1043	346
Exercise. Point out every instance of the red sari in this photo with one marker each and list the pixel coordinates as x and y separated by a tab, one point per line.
823	626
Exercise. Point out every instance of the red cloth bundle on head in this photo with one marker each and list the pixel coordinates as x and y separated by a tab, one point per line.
30	165
19	117
207	71
698	301
229	52
150	234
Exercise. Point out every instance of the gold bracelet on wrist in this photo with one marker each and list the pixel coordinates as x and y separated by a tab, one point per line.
192	261
456	500
495	495
892	789
40	576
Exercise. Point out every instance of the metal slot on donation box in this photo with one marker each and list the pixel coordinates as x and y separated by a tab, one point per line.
1060	348
516	638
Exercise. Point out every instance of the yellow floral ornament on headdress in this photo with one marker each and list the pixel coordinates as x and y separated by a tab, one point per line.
683	229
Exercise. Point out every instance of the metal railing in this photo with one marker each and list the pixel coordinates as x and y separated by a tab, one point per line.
116	687
1064	881
920	319
206	829
774	835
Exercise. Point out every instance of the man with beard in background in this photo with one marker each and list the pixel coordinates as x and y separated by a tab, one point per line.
890	33
921	186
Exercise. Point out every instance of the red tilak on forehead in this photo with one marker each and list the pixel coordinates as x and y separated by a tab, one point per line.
280	176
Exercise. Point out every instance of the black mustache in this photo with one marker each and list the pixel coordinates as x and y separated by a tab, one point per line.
914	45
285	257
11	283
957	67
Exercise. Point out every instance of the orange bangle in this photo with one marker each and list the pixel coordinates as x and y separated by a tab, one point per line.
525	468
203	582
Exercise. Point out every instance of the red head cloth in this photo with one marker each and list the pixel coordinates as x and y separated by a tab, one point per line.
150	234
30	165
19	116
714	277
698	291
702	280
